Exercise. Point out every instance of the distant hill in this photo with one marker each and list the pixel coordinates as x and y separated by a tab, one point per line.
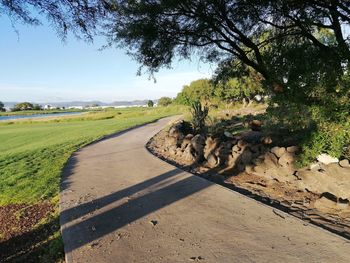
85	103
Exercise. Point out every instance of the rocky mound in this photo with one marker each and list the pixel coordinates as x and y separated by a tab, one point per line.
319	193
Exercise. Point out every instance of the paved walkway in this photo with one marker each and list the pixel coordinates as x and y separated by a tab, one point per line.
119	204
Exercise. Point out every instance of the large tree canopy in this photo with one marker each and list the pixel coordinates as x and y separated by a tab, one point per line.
156	31
80	17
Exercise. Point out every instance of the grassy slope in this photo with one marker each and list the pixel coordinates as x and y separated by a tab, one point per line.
32	153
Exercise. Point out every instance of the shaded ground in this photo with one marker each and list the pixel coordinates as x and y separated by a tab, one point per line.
119	203
27	233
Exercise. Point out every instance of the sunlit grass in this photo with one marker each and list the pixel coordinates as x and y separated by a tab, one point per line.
33	153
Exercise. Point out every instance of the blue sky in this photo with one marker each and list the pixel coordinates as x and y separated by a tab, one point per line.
37	66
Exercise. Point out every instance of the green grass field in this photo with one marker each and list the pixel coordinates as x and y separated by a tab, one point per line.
33	153
30	112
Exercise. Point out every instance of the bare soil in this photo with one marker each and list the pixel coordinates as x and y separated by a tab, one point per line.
26	233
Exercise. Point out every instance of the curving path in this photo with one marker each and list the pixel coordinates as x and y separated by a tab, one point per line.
119	203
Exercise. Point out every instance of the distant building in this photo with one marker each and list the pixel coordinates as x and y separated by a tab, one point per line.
49	107
76	107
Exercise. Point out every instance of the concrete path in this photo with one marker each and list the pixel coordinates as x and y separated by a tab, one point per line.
119	203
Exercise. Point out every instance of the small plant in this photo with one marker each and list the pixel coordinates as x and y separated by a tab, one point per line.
199	115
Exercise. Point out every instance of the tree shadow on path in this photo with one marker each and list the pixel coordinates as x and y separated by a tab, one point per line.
151	195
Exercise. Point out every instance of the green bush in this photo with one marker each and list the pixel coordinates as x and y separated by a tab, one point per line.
315	128
150	104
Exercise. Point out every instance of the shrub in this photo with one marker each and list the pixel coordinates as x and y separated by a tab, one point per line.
199	115
150	104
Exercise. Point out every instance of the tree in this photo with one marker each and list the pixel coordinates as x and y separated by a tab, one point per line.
237	85
37	107
23	106
80	17
150	103
164	101
156	31
2	107
198	90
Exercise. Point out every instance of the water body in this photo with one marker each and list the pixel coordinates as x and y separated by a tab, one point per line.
16	117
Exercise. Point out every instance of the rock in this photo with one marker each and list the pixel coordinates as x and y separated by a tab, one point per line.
223	151
278	151
210	145
172	150
293	149
236	149
266	140
188	155
259	160
282	174
246	157
197	143
326	159
212	160
260	169
228	134
241	144
179	129
286	159
175	132
249	169
315	166
255	125
334	180
170	141
252	136
231	159
270	160
344	163
186	141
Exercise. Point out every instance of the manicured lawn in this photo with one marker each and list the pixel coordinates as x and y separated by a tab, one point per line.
32	155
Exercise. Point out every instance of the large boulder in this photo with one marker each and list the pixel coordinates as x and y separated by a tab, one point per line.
331	179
